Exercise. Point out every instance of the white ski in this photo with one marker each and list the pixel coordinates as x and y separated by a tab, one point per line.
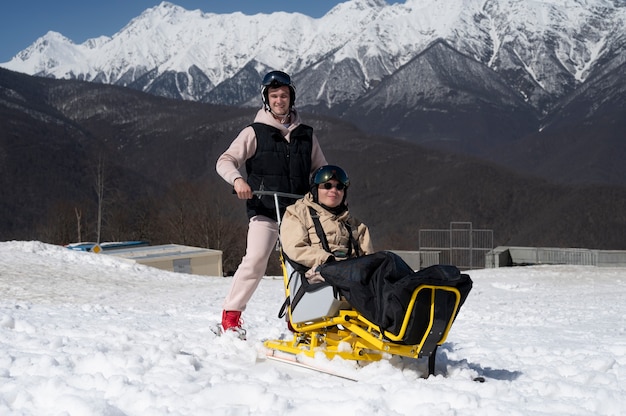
305	362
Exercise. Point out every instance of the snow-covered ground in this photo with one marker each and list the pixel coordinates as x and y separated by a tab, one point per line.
89	334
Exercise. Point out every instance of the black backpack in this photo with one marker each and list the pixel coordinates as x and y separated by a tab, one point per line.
380	287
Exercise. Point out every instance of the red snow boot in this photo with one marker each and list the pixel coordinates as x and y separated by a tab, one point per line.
231	321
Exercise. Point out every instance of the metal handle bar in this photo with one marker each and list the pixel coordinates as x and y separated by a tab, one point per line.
276	195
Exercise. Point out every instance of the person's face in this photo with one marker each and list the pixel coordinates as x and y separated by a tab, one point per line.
330	197
279	99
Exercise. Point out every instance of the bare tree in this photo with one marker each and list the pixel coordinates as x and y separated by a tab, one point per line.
79	215
99	188
192	214
57	227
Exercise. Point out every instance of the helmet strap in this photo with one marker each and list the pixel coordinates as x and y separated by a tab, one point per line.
283	117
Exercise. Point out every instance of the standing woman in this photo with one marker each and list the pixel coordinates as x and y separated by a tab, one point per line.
279	153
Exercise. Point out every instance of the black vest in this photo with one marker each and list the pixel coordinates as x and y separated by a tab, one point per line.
278	165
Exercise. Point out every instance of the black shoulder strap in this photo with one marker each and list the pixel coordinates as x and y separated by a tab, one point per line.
353	242
322	235
319	230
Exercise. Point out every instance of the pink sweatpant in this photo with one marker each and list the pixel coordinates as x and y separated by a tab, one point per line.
262	237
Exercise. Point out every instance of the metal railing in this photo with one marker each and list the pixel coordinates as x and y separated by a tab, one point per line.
504	256
461	245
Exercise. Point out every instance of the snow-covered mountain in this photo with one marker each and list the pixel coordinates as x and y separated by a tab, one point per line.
541	50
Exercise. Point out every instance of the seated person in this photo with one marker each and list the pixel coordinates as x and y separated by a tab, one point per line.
336	236
365	280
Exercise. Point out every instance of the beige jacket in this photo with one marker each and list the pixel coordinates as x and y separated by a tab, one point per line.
244	147
300	241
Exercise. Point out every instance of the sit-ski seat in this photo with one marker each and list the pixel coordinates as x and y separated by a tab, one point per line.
311	302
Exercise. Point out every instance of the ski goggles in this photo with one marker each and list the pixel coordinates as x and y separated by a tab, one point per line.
328	172
276	79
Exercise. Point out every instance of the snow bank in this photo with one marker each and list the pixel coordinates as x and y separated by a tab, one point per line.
87	334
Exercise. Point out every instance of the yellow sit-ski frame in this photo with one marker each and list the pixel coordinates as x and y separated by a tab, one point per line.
351	336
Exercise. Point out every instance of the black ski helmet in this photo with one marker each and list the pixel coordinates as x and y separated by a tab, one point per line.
277	79
328	172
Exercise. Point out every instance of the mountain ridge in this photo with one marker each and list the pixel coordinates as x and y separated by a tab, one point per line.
544	56
525	101
381	38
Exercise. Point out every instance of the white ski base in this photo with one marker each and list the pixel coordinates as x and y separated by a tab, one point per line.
299	361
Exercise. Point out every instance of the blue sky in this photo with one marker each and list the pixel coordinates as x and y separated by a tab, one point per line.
23	21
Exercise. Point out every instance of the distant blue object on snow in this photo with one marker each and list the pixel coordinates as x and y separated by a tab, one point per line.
107	246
